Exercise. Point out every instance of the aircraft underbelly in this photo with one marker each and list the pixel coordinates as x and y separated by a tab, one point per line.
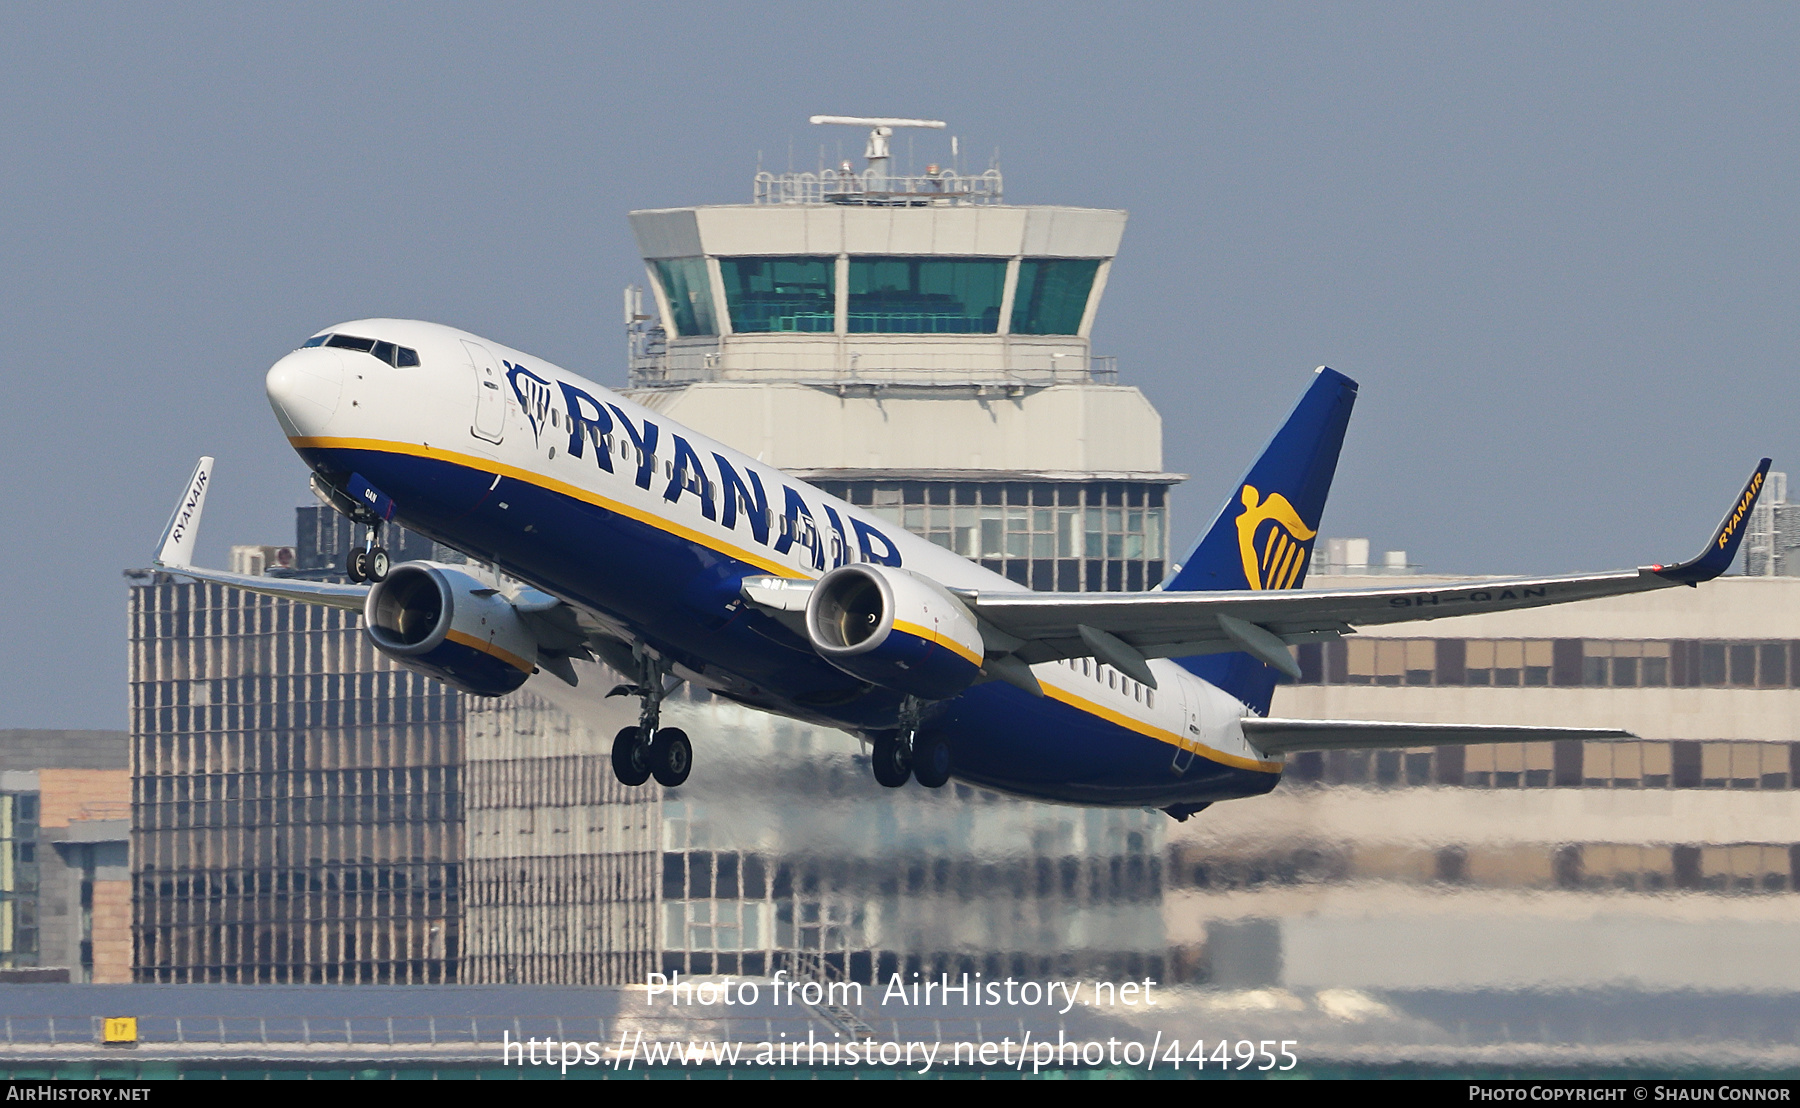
1005	738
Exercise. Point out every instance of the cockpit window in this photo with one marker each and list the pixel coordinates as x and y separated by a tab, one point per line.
400	357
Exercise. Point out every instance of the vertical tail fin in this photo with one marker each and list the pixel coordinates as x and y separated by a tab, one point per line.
1263	537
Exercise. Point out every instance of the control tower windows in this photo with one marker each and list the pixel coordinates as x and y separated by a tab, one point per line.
689	293
926	296
780	294
1052	295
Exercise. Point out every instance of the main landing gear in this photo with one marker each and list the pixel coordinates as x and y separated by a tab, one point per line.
897	755
368	562
650	750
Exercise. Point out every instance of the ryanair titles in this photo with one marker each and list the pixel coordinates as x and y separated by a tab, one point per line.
723	495
1736	518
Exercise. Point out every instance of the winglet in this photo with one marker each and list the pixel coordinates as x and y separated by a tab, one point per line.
1720	552
183	529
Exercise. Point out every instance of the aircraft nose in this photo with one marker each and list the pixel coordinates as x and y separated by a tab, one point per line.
304	388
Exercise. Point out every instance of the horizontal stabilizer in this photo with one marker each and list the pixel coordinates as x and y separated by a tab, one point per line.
1289	736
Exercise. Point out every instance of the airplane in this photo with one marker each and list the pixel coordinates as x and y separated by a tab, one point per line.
598	530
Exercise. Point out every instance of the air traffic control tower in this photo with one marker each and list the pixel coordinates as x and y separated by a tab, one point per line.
914	344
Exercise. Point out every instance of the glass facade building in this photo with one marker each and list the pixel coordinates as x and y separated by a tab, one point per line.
1057	536
18	878
296	798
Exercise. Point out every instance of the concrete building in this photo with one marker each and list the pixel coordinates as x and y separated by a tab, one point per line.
561	862
296	798
1772	545
65	885
1669	862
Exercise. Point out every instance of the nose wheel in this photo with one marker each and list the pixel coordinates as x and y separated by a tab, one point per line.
367	563
370	561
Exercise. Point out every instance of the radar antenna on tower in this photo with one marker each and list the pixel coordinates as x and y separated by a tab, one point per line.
881	128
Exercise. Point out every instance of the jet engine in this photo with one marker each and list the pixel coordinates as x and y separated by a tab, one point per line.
894	629
441	621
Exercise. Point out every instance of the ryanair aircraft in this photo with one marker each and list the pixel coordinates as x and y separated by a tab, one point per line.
598	530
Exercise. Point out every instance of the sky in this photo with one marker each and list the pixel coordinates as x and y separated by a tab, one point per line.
1556	244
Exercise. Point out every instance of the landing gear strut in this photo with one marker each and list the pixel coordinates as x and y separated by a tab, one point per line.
370	561
649	749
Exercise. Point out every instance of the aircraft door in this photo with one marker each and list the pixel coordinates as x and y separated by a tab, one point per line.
490	394
1190	719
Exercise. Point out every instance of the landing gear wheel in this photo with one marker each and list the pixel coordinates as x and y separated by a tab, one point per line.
356	565
631	757
931	763
893	760
378	564
671	757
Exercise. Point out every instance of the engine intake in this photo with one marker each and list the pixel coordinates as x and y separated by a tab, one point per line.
895	629
441	621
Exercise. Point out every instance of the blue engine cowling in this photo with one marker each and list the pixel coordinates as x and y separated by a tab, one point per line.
895	629
446	623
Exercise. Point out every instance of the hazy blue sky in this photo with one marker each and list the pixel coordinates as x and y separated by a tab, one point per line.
1555	243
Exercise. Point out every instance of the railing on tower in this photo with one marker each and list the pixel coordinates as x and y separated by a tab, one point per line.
874	188
656	365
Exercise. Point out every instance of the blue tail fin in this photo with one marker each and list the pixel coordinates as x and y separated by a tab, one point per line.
1263	536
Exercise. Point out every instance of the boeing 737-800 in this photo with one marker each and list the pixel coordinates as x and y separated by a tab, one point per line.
598	530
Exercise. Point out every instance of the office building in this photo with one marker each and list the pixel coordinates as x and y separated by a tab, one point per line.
65	888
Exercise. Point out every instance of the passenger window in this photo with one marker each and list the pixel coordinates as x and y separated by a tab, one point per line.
350	342
316	340
408	357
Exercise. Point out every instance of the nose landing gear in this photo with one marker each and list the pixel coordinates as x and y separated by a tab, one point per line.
369	562
649	749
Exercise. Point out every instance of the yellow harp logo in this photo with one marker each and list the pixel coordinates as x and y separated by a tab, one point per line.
1283	545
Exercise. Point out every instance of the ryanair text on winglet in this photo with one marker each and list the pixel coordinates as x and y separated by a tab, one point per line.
1742	509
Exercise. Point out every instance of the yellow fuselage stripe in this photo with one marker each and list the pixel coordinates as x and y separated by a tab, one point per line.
551	484
1157	733
930	635
486	647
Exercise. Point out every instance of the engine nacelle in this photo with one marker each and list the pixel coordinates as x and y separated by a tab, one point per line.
894	629
441	621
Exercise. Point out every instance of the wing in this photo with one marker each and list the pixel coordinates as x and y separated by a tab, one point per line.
1124	629
1289	736
562	630
175	553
